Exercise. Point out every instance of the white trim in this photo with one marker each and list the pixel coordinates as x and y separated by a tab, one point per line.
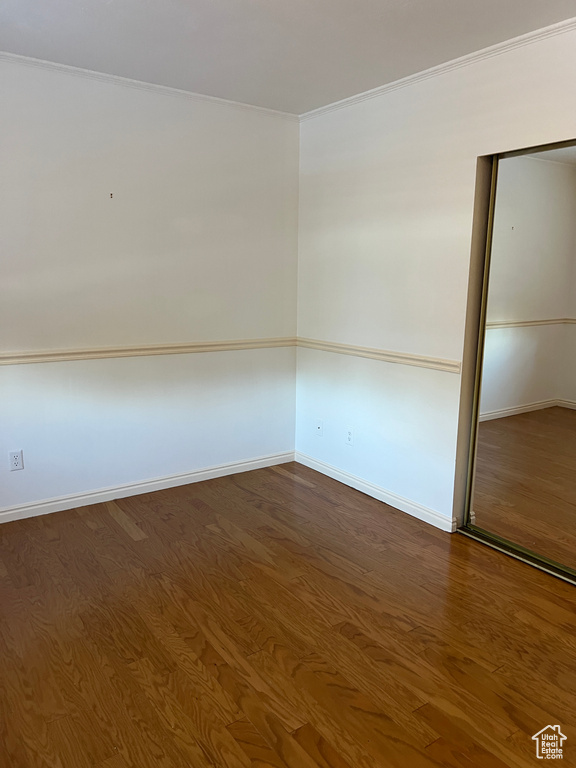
140	85
375	491
502	413
529	323
193	347
146	486
463	61
560	28
186	348
404	358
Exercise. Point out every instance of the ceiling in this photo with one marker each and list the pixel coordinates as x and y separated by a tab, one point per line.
290	55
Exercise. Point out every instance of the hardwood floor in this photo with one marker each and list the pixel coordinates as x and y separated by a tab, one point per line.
273	618
525	486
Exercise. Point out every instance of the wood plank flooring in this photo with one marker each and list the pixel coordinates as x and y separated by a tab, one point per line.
273	618
525	488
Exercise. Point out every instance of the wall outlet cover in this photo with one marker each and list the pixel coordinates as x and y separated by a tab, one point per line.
16	460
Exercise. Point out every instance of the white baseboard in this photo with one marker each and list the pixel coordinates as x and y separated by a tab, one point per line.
538	406
60	503
405	505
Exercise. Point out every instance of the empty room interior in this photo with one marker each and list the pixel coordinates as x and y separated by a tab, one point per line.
288	384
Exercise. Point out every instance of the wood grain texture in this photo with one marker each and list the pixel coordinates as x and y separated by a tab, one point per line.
525	483
124	520
273	619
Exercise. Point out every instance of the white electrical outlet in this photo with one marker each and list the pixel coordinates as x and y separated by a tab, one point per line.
349	436
319	428
16	460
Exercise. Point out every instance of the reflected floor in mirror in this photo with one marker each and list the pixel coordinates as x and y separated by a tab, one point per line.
525	488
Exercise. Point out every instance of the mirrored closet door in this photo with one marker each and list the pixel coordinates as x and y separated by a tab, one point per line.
523	491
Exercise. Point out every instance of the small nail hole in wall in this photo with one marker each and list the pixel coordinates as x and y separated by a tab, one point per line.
110	194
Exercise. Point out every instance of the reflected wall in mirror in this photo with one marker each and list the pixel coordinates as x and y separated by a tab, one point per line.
525	468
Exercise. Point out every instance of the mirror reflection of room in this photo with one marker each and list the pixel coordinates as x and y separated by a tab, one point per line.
525	478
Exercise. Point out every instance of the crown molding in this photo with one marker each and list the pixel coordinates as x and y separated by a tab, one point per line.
529	323
560	28
139	85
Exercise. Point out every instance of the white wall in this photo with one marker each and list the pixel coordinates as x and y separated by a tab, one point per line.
395	429
531	273
568	371
533	241
523	369
567	375
95	424
386	200
198	243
